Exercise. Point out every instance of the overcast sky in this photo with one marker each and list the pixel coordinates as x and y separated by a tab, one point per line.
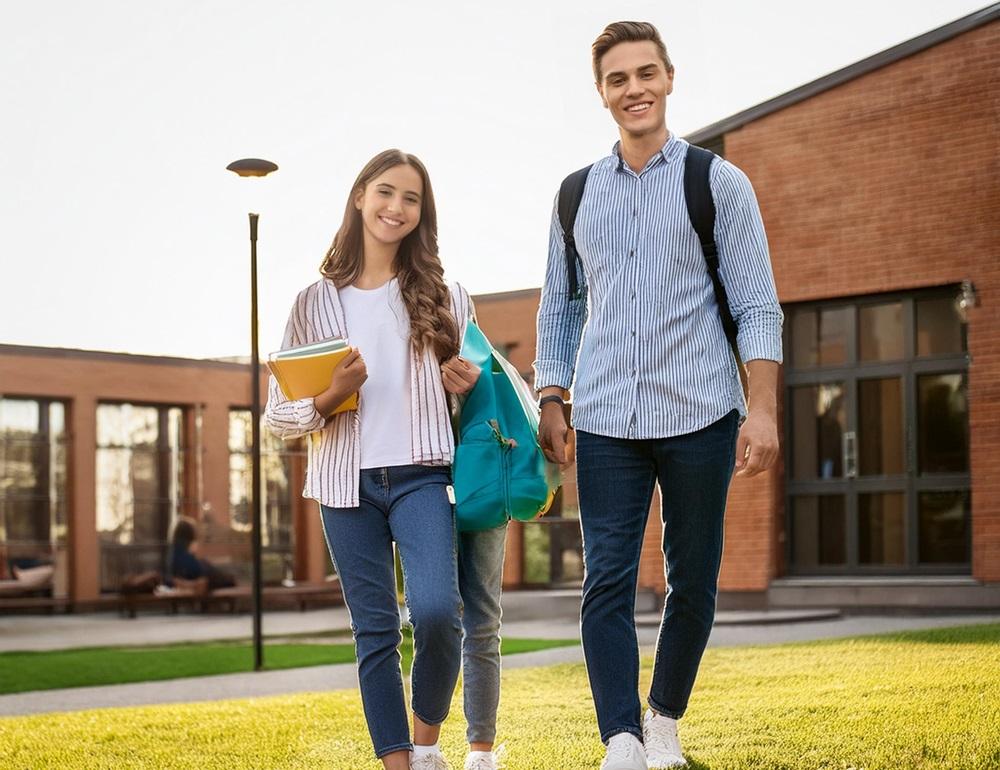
121	229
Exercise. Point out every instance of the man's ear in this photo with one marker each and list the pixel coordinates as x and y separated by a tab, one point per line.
670	81
600	90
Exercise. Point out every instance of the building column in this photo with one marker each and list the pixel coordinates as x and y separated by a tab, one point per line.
84	546
215	464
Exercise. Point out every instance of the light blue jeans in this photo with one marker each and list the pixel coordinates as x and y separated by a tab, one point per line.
480	577
409	505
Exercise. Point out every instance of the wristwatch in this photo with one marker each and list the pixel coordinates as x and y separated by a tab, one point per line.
550	399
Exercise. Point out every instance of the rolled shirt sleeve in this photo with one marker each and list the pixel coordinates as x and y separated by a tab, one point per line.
745	265
560	319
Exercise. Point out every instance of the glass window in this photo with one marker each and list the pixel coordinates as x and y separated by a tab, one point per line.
881	529
805	354
819	337
19	418
127	425
33	487
880	426
553	552
537	562
818	425
943	423
26	520
880	332
24	468
140	486
819	533
277	501
944	527
941	330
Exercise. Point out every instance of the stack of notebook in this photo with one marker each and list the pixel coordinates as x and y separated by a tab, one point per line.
305	370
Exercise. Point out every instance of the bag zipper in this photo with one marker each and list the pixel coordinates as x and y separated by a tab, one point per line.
506	444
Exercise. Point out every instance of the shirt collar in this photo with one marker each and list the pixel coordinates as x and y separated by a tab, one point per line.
667	152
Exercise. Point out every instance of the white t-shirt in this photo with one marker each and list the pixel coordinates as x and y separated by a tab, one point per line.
379	327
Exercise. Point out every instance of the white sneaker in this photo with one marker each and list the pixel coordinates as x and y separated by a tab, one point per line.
663	747
435	761
482	760
624	753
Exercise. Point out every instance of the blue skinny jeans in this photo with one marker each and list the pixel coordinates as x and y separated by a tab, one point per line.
409	505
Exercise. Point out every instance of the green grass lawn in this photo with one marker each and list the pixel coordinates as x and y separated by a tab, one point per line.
26	671
911	701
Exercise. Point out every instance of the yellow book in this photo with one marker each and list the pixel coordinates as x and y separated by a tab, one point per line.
305	370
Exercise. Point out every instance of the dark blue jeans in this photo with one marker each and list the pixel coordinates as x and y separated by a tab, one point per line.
409	505
615	478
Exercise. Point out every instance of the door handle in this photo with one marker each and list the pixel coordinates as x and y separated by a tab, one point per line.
850	454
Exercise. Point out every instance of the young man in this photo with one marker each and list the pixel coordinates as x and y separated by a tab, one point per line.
657	397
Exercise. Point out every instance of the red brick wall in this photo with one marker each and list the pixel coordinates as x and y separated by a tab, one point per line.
887	182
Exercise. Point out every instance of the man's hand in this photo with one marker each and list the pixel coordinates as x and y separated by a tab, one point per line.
553	434
458	375
757	445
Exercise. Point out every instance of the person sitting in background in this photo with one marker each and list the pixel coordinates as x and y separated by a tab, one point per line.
187	571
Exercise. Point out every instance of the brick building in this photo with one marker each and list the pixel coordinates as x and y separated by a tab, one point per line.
880	190
101	452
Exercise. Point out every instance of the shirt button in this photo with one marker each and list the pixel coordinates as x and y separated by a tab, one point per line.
631	252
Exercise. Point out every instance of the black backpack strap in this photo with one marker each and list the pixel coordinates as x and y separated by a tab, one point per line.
701	211
570	195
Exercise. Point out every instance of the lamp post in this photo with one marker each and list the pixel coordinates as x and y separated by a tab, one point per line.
254	167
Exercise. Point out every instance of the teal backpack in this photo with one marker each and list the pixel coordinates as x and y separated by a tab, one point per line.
500	472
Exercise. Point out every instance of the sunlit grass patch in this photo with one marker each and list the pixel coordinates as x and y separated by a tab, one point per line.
911	701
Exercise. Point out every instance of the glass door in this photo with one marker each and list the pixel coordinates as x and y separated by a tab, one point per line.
877	436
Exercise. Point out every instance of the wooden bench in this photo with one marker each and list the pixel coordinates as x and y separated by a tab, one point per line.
237	598
34	603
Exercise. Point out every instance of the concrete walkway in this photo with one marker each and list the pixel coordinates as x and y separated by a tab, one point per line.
76	631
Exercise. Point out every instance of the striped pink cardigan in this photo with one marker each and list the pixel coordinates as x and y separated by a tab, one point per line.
333	474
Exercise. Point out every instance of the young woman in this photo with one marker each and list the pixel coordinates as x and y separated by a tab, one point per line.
382	473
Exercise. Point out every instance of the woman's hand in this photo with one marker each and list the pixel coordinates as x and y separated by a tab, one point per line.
458	375
348	377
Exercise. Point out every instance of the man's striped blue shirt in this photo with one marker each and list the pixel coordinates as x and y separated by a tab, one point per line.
645	341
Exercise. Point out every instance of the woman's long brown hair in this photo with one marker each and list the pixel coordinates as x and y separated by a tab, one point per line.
418	266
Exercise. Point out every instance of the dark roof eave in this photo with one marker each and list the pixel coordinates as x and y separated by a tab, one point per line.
863	67
502	296
128	358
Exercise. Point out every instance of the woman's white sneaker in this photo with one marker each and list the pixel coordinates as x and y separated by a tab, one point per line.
663	747
432	761
482	760
624	753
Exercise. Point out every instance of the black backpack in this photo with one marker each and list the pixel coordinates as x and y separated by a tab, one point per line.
701	211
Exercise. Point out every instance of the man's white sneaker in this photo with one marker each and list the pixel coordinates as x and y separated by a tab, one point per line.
482	760
663	747
624	753
434	761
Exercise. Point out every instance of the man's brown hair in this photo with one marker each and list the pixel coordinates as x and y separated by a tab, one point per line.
627	32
